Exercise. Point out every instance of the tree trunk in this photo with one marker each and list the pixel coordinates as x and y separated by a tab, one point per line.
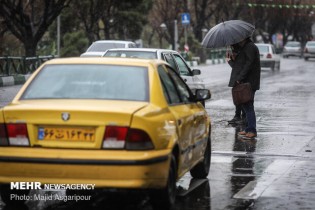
30	48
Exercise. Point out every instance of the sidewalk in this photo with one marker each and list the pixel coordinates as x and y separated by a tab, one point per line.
13	80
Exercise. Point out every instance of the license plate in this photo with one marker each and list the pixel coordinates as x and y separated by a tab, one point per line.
66	134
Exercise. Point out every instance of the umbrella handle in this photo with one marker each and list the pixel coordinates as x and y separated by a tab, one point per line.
228	53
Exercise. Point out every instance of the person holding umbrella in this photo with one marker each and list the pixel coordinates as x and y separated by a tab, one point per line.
246	68
245	62
240	115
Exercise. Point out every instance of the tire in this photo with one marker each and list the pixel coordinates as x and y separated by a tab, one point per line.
306	58
165	198
6	192
273	67
278	66
201	170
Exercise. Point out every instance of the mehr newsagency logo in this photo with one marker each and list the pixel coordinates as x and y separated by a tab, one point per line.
39	196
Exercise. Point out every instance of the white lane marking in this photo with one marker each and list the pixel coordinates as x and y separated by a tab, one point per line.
221	159
274	171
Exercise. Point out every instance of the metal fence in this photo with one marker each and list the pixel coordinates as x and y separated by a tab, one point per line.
216	55
10	66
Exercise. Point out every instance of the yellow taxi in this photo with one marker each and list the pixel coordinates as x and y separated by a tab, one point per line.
110	122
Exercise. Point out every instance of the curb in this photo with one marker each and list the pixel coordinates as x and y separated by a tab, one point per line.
13	80
192	63
208	62
215	61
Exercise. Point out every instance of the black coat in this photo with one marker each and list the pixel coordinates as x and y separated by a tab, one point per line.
246	66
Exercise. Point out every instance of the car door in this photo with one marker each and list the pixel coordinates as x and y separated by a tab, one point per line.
198	139
181	110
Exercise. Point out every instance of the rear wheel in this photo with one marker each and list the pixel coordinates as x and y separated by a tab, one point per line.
277	66
306	58
201	170
165	198
273	67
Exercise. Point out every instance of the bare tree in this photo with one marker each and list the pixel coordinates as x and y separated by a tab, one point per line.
28	20
90	12
165	12
202	12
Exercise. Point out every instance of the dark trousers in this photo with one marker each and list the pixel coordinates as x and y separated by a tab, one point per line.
250	115
240	112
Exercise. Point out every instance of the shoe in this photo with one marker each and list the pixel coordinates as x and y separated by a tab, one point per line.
250	135
234	120
242	133
242	121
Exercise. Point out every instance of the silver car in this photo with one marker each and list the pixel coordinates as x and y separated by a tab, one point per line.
268	56
98	48
309	50
170	56
292	48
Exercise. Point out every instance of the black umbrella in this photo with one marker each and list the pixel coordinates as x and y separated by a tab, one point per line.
227	33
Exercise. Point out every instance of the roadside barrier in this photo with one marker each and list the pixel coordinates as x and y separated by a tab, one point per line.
12	66
216	56
16	70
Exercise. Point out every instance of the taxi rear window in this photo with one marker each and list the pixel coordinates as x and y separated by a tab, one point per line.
77	81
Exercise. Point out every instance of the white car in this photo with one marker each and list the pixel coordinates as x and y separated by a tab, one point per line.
309	50
170	56
268	56
292	48
98	48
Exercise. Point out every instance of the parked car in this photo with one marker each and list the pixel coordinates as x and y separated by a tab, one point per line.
98	48
309	50
116	123
268	56
170	56
292	48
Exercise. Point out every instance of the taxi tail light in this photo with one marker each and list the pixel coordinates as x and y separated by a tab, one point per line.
17	134
138	140
269	55
119	137
3	135
115	137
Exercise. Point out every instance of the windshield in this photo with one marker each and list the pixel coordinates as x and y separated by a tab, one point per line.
131	54
102	47
293	44
74	81
310	44
263	49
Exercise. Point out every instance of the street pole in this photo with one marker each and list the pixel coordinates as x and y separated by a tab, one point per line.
58	36
185	31
175	35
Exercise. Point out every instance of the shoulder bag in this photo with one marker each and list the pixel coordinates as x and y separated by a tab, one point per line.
242	93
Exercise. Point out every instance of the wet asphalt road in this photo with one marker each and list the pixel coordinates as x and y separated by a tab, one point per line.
274	171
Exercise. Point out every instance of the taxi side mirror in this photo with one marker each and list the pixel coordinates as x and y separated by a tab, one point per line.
202	94
196	72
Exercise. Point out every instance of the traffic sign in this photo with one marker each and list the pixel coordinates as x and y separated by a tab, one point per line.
185	18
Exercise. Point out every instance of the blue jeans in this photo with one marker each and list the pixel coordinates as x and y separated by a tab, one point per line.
250	115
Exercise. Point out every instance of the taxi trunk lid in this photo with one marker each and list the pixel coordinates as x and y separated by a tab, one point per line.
68	123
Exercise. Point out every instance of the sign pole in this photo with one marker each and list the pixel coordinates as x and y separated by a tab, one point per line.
175	35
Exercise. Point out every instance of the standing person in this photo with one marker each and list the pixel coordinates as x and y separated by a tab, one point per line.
240	116
246	68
